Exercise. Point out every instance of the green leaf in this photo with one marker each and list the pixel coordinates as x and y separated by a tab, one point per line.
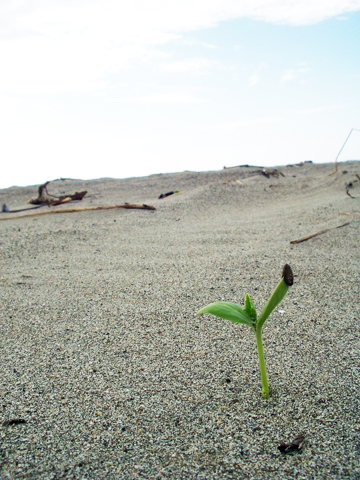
250	308
228	311
278	294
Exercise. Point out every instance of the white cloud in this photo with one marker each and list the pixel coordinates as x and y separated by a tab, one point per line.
293	73
191	64
168	97
298	12
60	46
243	123
172	97
209	45
326	108
254	79
289	75
193	42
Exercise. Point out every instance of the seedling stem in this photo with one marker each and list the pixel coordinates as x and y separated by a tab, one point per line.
248	316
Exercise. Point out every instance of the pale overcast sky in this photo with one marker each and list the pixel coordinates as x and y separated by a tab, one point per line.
113	88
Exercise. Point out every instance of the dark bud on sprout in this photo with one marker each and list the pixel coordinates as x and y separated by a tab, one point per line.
288	275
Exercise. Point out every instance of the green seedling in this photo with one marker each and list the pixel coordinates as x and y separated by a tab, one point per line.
248	316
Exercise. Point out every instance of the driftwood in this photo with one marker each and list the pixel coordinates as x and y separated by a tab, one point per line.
68	198
241	166
84	209
303	239
45	201
274	173
42	199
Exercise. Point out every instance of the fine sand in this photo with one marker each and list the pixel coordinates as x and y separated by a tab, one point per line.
108	372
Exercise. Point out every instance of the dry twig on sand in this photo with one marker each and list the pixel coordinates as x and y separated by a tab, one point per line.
169	194
83	209
336	159
274	173
45	200
351	184
303	239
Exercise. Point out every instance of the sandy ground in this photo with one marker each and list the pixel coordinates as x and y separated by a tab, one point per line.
114	375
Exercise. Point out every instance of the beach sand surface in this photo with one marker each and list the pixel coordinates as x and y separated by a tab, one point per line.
107	370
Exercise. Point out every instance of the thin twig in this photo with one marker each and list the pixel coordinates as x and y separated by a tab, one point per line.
303	239
350	185
83	209
336	164
347	188
168	195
